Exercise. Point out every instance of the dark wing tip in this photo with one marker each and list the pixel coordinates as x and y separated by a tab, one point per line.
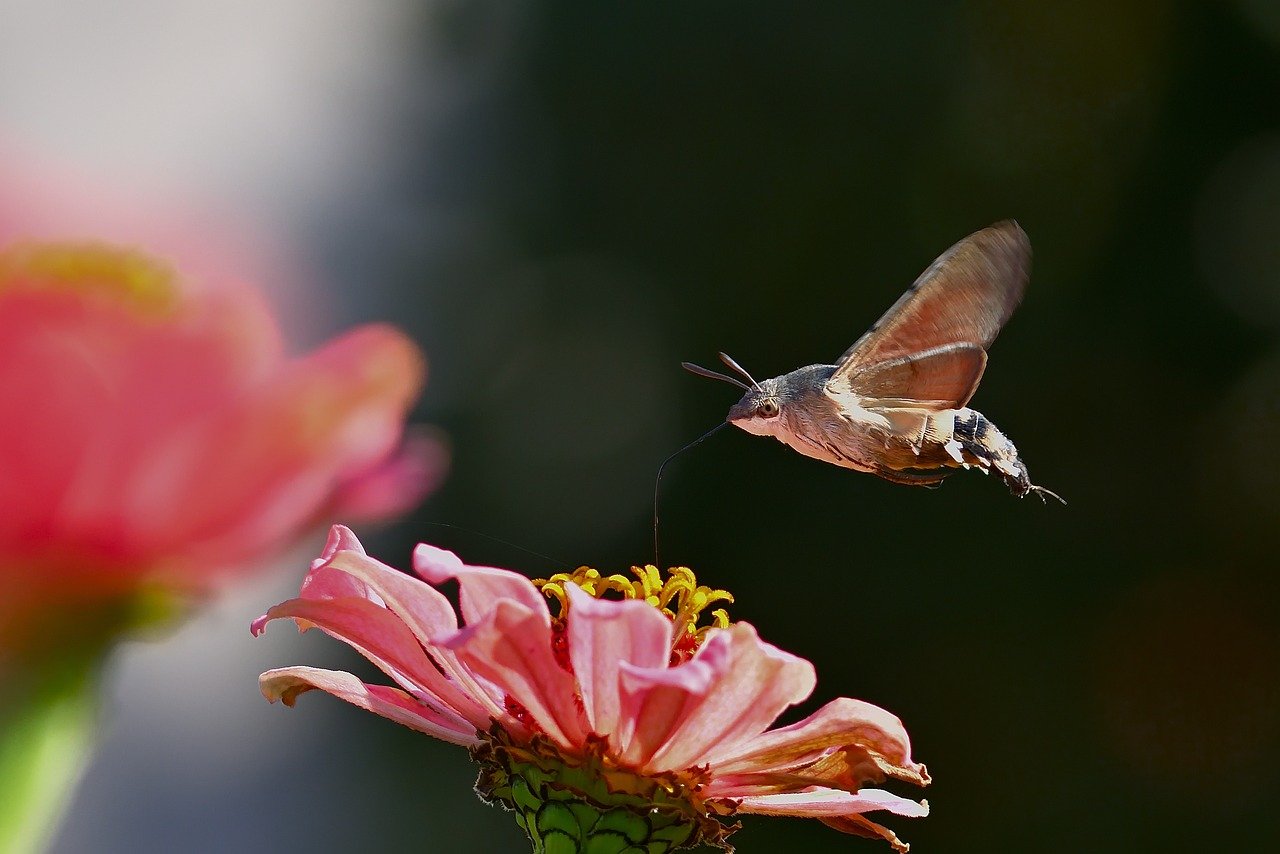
1006	246
1007	225
1009	231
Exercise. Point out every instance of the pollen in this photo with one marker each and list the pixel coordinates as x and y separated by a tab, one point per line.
123	275
678	595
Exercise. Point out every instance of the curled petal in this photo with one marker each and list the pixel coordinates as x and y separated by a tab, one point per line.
860	825
866	736
758	684
366	627
287	683
429	616
481	588
511	648
341	539
832	802
379	636
840	810
656	700
324	583
424	610
604	635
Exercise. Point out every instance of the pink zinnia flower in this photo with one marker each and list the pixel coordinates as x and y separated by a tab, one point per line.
601	716
157	436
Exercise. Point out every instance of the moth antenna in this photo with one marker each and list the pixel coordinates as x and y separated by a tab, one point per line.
658	480
703	372
728	360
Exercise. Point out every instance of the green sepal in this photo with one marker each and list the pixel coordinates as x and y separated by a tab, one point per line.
586	804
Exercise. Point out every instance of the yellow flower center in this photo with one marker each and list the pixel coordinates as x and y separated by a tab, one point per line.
123	275
679	596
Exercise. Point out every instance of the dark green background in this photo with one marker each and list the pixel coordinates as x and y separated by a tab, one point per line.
631	185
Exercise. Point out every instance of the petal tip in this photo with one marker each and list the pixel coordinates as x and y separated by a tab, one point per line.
436	564
341	538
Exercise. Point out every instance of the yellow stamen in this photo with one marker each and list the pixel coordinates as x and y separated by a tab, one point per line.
679	596
122	274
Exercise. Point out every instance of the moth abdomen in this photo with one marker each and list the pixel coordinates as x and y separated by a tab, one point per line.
981	443
978	436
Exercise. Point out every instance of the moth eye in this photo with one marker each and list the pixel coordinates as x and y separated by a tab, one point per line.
768	408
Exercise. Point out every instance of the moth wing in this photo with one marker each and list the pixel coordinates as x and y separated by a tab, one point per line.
965	296
941	378
905	422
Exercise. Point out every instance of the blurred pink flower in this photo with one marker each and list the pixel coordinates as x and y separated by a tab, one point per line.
157	434
631	689
45	200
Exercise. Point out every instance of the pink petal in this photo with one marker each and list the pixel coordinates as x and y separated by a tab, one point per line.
104	390
603	635
324	583
430	617
481	588
268	458
832	802
381	637
398	483
288	682
758	684
369	628
511	647
425	610
656	700
341	539
840	723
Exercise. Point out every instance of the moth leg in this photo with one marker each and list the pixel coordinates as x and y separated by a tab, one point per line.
1040	492
918	443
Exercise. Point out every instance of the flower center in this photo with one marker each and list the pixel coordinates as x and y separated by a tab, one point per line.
678	595
122	275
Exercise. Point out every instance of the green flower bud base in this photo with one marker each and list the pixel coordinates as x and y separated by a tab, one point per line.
587	805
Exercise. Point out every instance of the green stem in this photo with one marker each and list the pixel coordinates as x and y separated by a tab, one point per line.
45	733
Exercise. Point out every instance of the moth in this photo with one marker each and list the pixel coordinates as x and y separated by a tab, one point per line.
896	403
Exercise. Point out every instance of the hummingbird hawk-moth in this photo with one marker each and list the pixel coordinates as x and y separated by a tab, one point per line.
895	404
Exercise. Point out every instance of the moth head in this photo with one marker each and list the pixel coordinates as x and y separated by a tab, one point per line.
758	411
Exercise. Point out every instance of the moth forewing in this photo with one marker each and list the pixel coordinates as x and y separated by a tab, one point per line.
948	374
965	296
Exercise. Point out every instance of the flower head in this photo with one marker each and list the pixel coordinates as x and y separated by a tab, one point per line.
157	436
599	701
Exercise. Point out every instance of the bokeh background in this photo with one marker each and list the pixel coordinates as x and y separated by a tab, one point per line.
563	200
